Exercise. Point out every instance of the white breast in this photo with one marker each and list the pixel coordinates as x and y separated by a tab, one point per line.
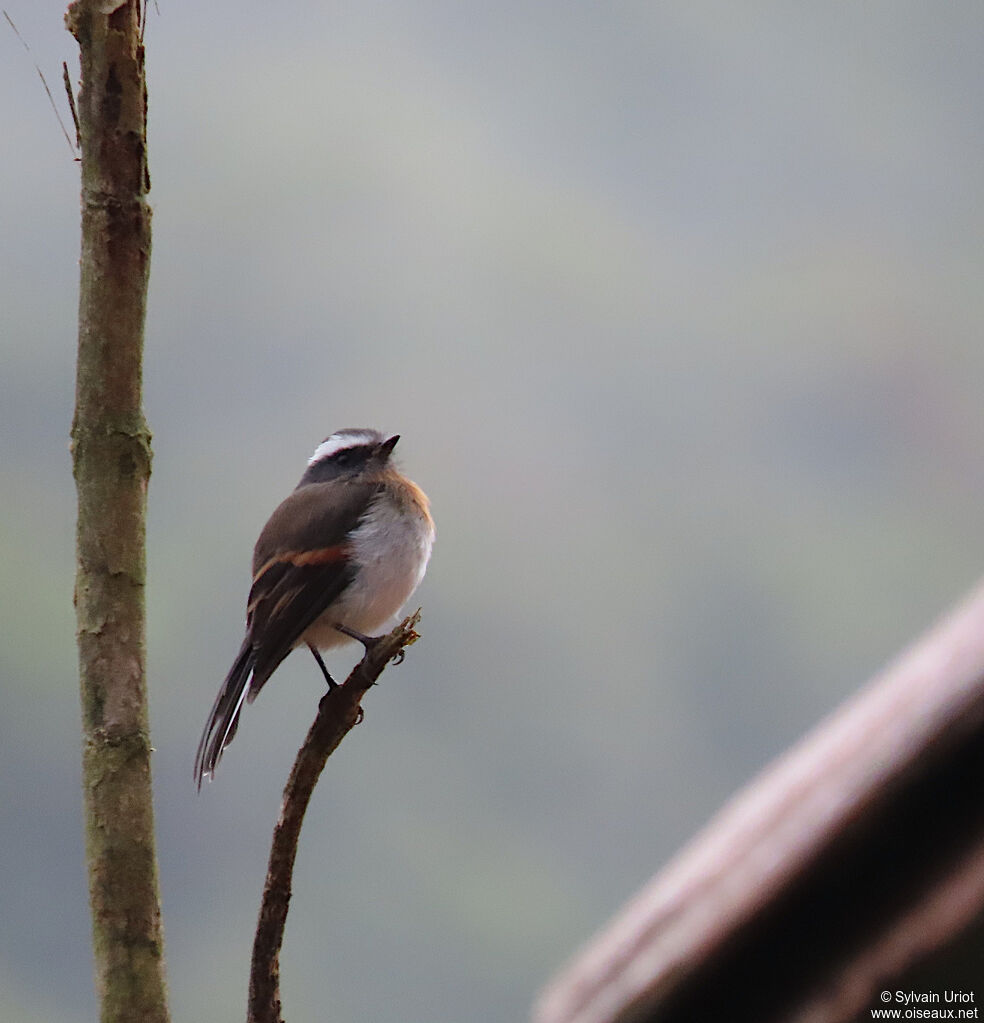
391	546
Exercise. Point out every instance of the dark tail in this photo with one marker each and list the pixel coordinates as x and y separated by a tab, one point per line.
224	717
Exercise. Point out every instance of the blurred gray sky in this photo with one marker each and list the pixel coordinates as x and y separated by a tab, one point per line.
677	308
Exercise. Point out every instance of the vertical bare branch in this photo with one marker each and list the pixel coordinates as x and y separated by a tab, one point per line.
111	462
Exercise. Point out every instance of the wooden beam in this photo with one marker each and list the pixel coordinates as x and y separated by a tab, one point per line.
852	857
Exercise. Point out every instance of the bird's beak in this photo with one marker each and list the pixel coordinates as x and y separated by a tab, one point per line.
386	448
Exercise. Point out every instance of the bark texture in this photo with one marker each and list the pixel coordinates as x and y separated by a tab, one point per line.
111	463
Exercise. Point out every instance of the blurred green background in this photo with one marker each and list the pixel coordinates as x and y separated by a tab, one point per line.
678	310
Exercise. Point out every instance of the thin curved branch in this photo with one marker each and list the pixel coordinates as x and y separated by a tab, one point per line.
338	711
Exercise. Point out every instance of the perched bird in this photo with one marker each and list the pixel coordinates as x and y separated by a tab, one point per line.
345	549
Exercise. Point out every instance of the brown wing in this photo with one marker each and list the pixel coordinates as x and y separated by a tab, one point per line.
301	564
287	596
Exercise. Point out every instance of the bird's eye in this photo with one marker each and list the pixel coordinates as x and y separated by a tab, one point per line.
343	458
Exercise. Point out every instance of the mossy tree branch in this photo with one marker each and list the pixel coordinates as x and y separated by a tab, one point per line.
338	711
111	463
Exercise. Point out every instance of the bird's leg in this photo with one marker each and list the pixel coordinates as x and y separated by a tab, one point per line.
368	641
332	684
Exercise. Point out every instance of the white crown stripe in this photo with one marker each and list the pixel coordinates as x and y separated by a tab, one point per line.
338	441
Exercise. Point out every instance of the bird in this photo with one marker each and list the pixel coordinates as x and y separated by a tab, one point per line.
338	558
